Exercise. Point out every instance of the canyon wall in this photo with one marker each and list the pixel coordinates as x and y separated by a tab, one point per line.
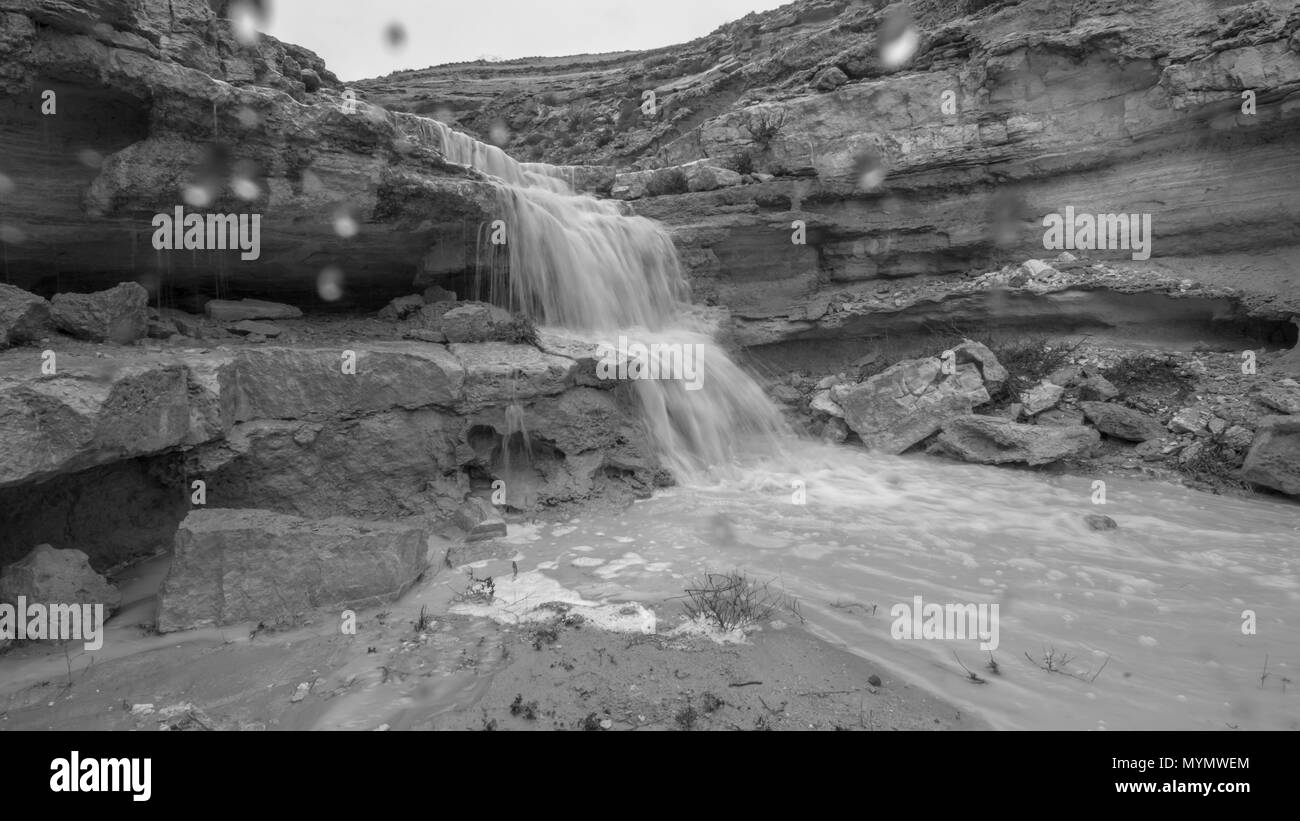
912	180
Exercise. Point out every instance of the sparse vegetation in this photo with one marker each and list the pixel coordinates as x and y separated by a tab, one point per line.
731	601
1151	373
742	162
667	181
765	124
1213	464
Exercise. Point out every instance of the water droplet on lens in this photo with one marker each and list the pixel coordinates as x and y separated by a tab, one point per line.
329	284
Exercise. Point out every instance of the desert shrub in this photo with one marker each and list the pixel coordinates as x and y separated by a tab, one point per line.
1151	373
731	600
742	162
1030	359
667	181
1212	464
765	124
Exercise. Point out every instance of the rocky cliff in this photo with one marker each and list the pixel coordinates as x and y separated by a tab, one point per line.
920	147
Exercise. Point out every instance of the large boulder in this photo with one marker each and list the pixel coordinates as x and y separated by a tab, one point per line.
1274	456
233	566
227	310
118	315
24	317
476	322
1122	422
51	576
897	408
992	440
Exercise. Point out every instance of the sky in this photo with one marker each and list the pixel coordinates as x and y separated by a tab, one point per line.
352	36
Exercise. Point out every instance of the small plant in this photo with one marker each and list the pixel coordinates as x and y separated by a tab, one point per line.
667	181
1151	373
1213	463
765	124
479	591
523	709
731	601
742	162
686	717
1030	360
424	622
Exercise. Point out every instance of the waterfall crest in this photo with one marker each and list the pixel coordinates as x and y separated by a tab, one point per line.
585	265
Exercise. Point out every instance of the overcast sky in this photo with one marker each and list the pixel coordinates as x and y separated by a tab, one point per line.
350	34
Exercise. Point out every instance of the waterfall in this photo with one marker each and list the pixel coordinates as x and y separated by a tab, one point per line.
585	265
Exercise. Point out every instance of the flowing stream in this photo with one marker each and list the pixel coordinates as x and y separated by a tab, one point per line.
1136	627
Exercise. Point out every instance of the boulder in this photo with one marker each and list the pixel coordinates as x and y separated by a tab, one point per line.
830	79
51	576
24	317
822	403
1189	420
402	307
990	368
897	408
1274	457
1099	521
233	566
225	310
990	440
1060	417
835	431
1283	399
479	519
1097	388
437	293
1041	397
1122	422
118	315
476	322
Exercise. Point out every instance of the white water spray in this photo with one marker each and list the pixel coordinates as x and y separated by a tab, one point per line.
588	266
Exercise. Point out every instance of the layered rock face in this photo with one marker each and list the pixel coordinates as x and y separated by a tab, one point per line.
376	430
907	177
112	113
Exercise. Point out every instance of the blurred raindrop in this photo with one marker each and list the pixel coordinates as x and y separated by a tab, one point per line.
499	134
90	158
345	223
12	234
244	180
395	35
245	188
443	114
246	17
898	37
1007	217
248	118
870	171
6	186
198	196
329	284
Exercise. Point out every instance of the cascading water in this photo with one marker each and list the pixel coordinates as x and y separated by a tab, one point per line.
587	266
